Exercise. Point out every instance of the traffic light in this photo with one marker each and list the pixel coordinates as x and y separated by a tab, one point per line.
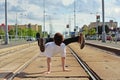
97	18
67	26
74	30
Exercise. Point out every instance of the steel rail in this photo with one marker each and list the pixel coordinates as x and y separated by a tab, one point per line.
90	72
17	71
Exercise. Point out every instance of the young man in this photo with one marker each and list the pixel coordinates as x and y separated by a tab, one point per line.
57	45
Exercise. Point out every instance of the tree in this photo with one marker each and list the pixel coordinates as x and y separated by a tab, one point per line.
107	29
2	32
31	33
101	27
12	32
92	31
85	30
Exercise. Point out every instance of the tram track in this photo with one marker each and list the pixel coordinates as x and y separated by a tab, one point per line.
103	62
90	72
13	59
12	63
18	70
36	74
85	65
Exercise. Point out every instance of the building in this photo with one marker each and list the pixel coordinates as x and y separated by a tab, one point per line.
35	27
110	24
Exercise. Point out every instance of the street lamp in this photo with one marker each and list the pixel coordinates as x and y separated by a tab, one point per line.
103	29
16	28
6	28
50	25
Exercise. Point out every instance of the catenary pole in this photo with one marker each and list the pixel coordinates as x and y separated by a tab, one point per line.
103	18
6	25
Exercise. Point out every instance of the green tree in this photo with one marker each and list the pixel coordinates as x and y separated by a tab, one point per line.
12	32
85	30
24	32
31	33
92	31
2	32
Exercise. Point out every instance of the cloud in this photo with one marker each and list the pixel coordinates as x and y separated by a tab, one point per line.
58	10
67	2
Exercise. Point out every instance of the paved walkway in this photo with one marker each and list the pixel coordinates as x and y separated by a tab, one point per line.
112	44
14	43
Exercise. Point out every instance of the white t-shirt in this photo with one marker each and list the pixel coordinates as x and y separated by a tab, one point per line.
51	49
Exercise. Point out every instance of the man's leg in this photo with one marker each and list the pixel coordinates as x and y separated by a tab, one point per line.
70	40
38	41
41	44
48	40
66	41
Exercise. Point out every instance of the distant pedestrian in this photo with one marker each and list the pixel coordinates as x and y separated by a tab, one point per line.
57	45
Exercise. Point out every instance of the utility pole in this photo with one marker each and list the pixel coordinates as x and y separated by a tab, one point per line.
103	29
16	28
6	25
74	16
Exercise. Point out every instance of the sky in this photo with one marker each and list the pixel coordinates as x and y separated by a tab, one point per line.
58	13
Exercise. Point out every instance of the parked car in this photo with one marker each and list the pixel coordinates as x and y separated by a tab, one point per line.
109	37
91	37
31	39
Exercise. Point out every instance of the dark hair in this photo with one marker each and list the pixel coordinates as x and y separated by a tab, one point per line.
58	38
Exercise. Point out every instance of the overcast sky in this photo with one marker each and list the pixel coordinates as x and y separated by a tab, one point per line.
58	12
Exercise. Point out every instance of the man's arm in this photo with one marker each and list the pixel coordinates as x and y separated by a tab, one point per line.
70	40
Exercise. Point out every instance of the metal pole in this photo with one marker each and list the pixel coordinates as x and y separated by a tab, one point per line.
69	24
97	22
97	30
44	18
74	16
50	24
21	24
103	29
16	29
6	34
